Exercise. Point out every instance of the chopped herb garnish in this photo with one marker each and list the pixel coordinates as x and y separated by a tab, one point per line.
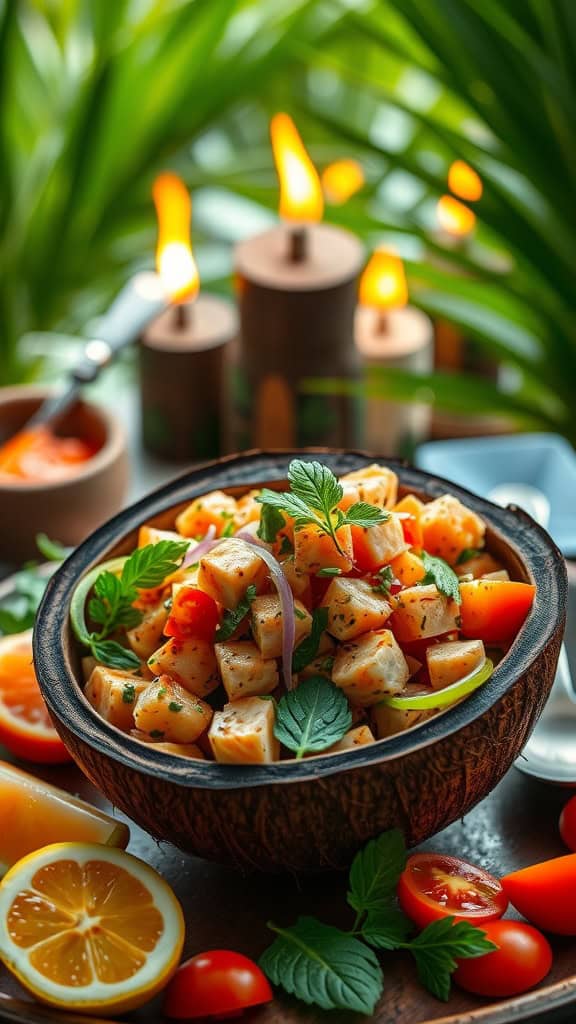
385	579
162	692
314	496
128	693
175	706
466	555
232	618
307	650
271	522
329	571
286	546
228	529
299	613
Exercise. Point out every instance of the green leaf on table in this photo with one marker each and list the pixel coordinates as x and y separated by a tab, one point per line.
307	649
271	522
114	655
438	946
387	927
323	966
375	872
439	572
232	618
313	717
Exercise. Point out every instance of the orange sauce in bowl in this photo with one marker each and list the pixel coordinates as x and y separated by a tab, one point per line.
38	455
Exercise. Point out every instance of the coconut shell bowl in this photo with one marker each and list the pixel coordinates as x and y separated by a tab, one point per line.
316	813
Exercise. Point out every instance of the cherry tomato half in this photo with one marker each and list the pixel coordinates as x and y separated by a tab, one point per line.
523	958
494	610
194	615
217	983
545	894
568	824
434	885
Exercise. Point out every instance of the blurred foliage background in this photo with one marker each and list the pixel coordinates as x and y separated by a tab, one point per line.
96	97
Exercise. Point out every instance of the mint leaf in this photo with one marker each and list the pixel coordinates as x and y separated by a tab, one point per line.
375	871
323	966
149	566
113	654
271	522
307	650
386	928
51	549
232	619
366	515
385	577
315	485
439	572
313	717
291	504
436	948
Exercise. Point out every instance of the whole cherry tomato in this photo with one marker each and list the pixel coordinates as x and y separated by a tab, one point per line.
523	959
568	824
434	885
194	616
218	983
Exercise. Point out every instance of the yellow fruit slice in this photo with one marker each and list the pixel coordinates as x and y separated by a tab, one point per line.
88	927
34	814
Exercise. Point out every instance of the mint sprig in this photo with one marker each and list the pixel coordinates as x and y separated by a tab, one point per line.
307	649
313	717
313	498
232	618
271	522
112	608
442	575
337	969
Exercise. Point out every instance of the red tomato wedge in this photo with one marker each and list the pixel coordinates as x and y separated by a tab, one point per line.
494	610
545	894
26	729
218	983
522	960
434	885
194	616
568	824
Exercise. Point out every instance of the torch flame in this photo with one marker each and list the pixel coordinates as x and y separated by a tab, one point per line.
383	283
301	197
464	182
454	218
174	258
342	179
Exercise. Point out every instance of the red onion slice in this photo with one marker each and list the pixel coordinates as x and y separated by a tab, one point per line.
201	548
286	604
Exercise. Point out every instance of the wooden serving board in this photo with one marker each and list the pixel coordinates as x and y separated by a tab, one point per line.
515	825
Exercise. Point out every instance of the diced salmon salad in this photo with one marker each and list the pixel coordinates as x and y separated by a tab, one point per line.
314	618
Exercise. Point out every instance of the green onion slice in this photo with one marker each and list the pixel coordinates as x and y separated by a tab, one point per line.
443	698
77	617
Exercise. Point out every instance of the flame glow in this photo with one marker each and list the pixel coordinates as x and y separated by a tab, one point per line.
174	258
454	218
464	182
342	179
301	198
383	284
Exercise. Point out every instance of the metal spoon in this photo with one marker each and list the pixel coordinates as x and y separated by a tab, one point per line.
550	754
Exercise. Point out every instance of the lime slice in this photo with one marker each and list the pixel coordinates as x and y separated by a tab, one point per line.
443	698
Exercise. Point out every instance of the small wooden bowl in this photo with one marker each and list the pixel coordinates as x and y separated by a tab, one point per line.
316	813
68	509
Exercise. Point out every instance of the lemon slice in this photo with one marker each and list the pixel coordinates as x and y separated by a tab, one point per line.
87	927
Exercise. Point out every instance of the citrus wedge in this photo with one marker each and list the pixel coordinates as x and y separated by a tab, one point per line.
25	725
90	928
33	814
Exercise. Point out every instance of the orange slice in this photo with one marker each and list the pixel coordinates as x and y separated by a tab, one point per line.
90	928
25	725
33	814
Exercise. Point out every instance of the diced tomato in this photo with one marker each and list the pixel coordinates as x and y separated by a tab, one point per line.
545	894
219	983
523	959
568	824
194	615
494	610
434	885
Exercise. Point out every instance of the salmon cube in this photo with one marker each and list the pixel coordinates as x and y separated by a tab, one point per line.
449	527
113	694
408	568
376	546
215	509
192	663
166	711
422	612
314	549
